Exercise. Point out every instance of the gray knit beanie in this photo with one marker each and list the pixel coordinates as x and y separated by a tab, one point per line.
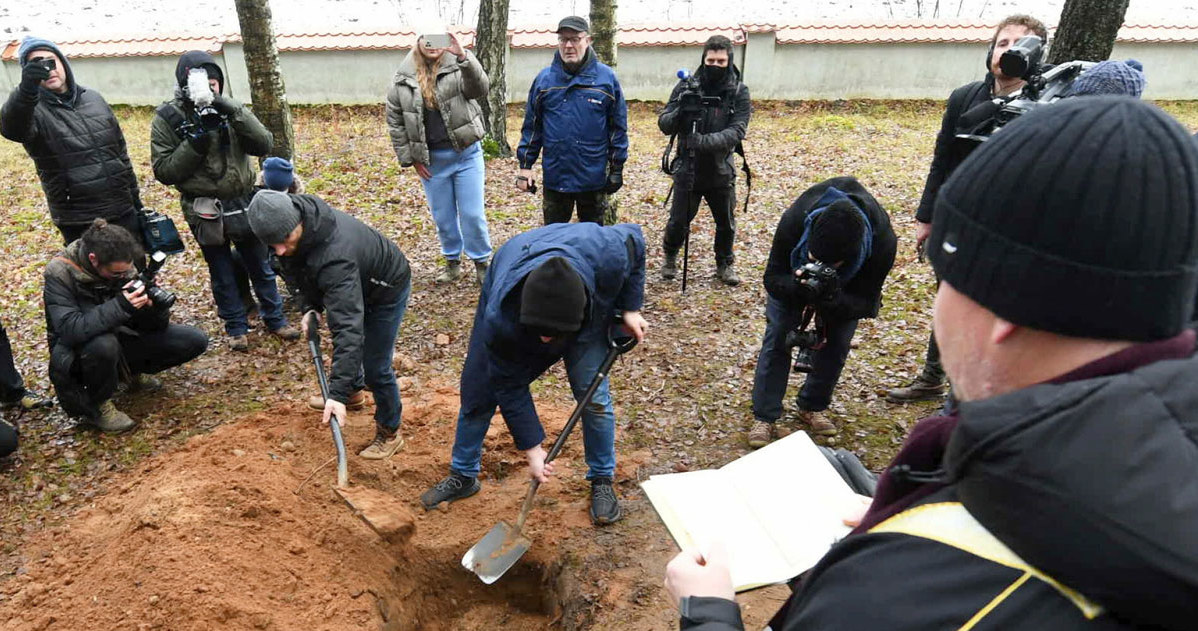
272	216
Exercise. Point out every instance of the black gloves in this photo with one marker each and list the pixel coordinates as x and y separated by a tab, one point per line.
33	74
224	105
615	178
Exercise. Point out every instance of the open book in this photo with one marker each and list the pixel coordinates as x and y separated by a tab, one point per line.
777	510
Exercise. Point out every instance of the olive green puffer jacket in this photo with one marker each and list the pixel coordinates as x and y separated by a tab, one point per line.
459	87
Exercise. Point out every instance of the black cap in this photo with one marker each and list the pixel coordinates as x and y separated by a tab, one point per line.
554	299
1079	218
573	23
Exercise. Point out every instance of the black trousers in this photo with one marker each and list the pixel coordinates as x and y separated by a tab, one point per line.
128	222
12	387
95	371
721	201
558	207
8	438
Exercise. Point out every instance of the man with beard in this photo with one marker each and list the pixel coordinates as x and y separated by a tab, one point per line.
721	128
577	115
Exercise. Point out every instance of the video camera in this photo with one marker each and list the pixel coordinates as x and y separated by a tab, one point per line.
692	101
1044	85
200	94
160	297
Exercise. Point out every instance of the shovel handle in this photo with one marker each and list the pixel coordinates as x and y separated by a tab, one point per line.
311	320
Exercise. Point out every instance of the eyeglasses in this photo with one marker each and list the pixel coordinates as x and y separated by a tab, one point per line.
570	40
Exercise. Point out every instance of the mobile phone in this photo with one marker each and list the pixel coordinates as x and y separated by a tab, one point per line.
49	63
436	40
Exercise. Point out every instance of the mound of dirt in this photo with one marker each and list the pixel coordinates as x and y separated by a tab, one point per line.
213	535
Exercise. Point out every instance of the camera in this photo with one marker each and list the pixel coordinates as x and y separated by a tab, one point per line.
48	63
160	297
807	342
1044	86
1022	60
200	94
820	280
436	40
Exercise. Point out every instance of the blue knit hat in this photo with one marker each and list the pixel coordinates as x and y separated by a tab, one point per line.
277	173
1112	77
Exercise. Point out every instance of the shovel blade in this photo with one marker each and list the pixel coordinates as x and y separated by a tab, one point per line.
496	553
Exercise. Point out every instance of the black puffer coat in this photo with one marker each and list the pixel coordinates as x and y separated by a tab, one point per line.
78	148
720	131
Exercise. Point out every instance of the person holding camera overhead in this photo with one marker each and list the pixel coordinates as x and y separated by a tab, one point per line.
84	175
576	113
436	127
710	117
201	143
832	251
969	107
107	321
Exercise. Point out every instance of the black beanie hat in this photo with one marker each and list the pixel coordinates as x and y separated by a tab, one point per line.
554	298
1079	218
836	234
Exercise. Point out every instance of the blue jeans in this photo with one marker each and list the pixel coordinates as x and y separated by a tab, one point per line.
378	347
774	363
455	196
229	306
598	418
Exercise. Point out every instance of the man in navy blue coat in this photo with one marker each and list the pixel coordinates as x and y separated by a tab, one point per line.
550	295
576	114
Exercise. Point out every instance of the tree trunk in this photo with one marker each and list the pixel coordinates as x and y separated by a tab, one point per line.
603	36
490	46
267	93
1087	30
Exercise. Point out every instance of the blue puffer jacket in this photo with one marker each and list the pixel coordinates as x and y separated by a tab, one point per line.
504	358
581	121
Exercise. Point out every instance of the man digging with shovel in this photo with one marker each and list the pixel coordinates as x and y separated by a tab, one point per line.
550	295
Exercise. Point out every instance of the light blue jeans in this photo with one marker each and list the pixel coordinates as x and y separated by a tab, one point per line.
455	196
582	361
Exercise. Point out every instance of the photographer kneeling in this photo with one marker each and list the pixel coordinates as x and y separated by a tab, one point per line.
106	320
832	251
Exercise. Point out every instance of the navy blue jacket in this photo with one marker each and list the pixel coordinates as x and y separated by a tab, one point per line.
504	358
581	122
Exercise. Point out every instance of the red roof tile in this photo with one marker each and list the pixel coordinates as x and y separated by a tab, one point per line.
139	47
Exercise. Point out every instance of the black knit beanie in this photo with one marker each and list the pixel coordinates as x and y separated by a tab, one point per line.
1079	218
554	298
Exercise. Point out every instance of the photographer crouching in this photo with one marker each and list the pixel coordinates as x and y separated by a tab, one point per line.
832	251
709	117
106	321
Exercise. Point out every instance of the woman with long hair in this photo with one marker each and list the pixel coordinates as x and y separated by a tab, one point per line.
436	127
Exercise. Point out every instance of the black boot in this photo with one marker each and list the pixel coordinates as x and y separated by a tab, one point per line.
669	267
453	487
605	508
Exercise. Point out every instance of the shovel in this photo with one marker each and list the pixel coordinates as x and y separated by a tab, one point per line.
499	550
385	515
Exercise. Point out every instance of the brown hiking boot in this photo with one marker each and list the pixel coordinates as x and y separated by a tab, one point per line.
357	401
451	272
239	343
922	389
287	333
761	434
669	267
727	274
384	445
817	423
30	400
111	420
145	383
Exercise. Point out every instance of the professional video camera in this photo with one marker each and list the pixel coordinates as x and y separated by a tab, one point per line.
200	94
1044	85
160	297
819	281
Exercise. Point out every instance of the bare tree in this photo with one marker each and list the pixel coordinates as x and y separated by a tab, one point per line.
490	46
267	93
1087	30
603	30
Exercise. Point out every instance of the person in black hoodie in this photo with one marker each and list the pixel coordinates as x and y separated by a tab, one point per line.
361	280
836	222
1062	492
84	175
713	176
969	107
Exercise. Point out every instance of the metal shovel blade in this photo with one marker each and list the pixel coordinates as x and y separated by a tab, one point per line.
496	553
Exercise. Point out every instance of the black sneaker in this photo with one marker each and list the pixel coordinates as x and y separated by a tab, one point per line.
454	487
605	508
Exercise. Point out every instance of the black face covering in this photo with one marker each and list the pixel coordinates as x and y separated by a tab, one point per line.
713	76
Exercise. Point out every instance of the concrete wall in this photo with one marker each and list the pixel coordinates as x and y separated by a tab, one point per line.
771	70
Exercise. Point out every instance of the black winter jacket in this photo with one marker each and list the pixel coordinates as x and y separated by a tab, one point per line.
78	149
1066	505
343	266
951	151
720	131
861	297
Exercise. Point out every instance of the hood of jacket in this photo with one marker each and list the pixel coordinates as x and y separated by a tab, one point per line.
317	219
731	78
1094	482
197	59
75	265
30	44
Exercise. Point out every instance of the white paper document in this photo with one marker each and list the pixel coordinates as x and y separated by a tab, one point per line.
777	510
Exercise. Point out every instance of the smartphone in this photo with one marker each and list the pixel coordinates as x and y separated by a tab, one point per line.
49	63
436	40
